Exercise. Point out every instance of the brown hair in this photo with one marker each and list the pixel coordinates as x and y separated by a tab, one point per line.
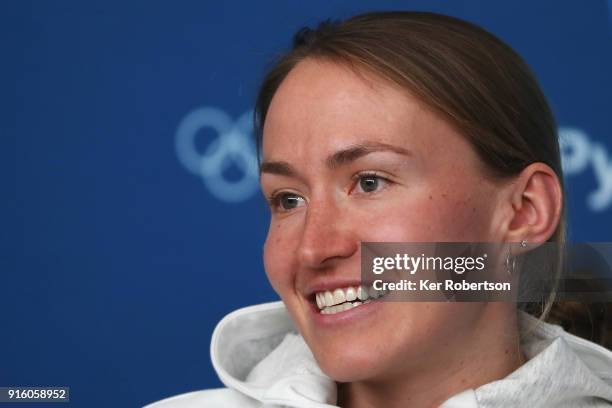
464	73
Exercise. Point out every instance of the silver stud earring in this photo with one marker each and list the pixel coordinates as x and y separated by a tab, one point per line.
524	243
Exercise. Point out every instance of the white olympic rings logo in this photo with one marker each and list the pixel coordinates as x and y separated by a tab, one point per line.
232	147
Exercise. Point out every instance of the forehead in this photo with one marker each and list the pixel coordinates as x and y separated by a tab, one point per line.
326	105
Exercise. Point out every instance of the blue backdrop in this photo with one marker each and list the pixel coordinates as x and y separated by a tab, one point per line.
131	220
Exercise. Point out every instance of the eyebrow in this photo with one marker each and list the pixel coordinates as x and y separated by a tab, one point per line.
337	159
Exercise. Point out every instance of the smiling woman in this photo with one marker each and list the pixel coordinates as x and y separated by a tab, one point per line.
400	127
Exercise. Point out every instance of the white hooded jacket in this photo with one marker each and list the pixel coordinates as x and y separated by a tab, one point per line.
263	362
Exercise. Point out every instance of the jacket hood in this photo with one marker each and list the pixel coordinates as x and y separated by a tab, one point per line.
257	352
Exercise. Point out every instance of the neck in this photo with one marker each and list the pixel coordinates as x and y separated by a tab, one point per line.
492	352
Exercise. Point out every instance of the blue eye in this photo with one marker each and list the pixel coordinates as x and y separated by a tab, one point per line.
286	201
369	183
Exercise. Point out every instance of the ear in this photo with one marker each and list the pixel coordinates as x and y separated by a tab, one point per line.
536	201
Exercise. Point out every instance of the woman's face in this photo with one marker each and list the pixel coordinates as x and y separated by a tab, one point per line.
350	158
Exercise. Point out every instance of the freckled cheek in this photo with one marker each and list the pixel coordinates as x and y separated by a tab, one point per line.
278	260
437	219
400	222
467	218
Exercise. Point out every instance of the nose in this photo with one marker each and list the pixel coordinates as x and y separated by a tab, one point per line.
327	236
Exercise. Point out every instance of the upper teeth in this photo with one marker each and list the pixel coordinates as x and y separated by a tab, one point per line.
327	299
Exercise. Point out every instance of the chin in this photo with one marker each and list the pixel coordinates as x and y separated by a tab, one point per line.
349	361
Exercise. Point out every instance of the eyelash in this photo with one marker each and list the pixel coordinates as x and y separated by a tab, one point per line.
274	198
